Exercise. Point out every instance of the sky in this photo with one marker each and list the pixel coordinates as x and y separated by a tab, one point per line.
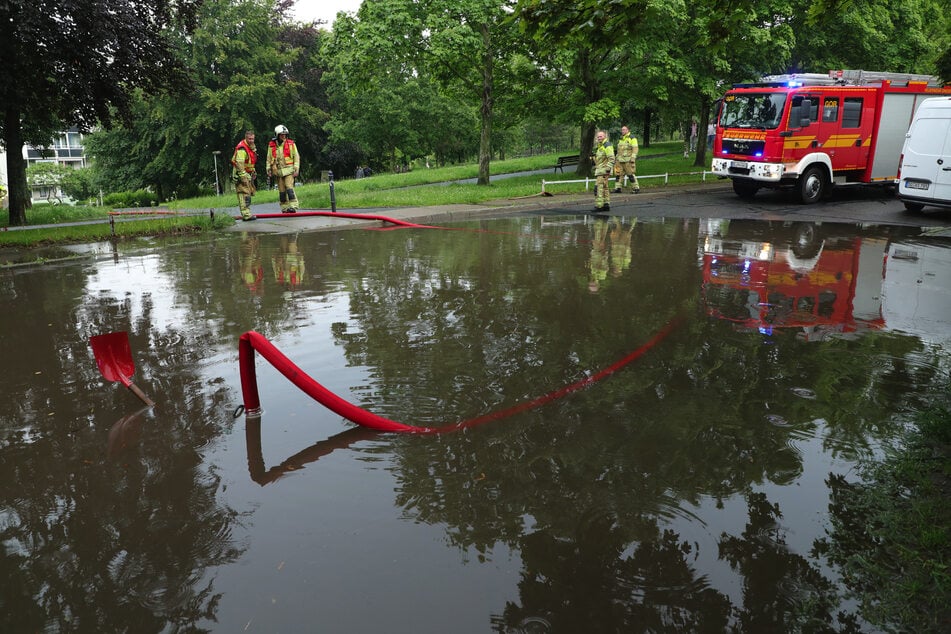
307	10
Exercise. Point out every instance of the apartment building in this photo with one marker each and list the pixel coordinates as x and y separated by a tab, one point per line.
67	149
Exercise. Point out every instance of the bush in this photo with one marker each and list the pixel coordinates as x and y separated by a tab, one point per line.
138	198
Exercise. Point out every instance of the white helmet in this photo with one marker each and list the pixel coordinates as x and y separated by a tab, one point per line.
280	130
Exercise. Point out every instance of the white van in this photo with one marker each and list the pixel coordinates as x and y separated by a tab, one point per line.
925	168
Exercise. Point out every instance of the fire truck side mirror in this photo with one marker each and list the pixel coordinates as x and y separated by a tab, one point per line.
805	113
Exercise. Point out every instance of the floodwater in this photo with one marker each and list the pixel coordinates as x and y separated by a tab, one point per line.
655	412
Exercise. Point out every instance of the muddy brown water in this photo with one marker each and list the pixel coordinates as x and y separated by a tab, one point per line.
683	489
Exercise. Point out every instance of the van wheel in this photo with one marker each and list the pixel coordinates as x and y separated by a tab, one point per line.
913	207
744	188
812	185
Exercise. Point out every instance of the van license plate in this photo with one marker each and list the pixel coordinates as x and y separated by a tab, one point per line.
740	165
916	185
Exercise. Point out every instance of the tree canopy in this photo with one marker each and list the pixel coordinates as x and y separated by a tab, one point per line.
68	63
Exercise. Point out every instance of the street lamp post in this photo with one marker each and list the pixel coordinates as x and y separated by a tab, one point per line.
217	183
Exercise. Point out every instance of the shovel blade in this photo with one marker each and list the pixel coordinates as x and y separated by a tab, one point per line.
113	356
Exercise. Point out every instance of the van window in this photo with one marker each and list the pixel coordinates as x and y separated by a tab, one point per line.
852	112
926	137
830	110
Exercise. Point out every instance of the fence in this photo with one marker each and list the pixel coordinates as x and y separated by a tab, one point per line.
666	176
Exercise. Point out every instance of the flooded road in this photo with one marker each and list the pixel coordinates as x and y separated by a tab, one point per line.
663	405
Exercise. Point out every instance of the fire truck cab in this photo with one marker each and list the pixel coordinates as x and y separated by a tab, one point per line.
811	131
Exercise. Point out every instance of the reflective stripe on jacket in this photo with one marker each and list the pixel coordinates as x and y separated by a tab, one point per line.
626	149
603	159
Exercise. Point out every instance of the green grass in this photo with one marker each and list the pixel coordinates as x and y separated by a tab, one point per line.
167	225
408	189
45	214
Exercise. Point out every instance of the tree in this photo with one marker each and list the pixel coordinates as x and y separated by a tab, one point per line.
49	176
80	184
599	58
457	43
671	59
77	64
251	68
906	36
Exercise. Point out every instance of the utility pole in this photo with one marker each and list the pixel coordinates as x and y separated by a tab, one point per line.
217	182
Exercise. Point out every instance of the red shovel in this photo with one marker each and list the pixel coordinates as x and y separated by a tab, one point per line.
114	358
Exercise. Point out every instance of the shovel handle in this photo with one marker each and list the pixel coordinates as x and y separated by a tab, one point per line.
135	390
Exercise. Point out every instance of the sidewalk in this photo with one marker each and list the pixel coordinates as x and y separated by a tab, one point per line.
293	223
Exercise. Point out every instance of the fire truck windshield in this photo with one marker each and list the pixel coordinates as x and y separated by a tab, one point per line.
752	110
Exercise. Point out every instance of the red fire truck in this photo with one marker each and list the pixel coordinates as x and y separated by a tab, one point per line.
811	131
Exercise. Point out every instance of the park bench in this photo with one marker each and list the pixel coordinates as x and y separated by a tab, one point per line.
567	160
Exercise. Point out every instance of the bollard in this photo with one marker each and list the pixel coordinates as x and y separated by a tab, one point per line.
333	199
112	225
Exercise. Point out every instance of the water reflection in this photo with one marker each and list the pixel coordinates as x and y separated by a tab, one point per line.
825	281
288	263
125	432
261	474
610	250
252	271
683	492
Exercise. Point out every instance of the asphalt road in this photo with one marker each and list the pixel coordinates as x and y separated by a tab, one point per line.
854	205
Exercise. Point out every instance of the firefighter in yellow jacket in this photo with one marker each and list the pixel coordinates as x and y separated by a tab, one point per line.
283	165
603	165
626	162
243	173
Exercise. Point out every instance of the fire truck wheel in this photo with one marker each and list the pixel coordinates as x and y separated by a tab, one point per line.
812	185
744	188
806	244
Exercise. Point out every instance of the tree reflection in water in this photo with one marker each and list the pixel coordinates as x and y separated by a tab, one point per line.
103	532
595	494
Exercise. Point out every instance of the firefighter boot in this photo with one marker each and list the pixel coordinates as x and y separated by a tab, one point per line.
292	203
246	210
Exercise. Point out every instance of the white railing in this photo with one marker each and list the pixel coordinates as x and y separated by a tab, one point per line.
666	176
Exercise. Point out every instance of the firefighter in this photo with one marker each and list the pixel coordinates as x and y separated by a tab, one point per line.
626	158
243	175
283	164
603	165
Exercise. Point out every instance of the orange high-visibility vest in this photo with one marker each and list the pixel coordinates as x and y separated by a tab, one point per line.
288	146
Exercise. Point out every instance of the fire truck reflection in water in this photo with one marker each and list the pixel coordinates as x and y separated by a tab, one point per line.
823	287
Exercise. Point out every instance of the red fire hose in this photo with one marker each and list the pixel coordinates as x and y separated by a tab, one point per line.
251	341
341	214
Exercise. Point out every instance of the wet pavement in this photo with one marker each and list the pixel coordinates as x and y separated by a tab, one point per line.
714	199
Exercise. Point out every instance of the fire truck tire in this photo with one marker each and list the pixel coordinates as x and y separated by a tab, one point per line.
913	207
812	185
806	244
745	188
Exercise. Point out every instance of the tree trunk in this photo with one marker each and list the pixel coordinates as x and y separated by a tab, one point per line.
485	142
701	159
592	93
585	165
18	193
646	137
